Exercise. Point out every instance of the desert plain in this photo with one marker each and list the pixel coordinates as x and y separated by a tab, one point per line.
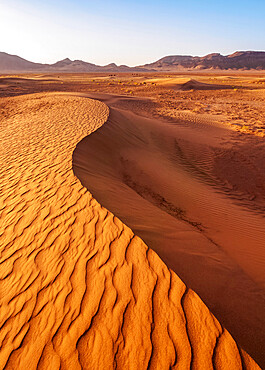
132	221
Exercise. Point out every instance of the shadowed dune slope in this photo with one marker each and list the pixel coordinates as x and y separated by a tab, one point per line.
6	80
197	85
186	84
162	180
78	289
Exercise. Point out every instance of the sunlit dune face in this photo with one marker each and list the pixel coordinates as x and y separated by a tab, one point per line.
78	285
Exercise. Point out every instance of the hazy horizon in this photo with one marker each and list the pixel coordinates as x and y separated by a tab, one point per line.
88	61
128	33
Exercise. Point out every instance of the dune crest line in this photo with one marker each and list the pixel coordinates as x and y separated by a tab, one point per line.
78	289
169	182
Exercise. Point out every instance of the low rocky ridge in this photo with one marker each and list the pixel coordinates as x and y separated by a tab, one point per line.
241	60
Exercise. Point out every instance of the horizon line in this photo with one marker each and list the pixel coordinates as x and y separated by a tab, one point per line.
118	65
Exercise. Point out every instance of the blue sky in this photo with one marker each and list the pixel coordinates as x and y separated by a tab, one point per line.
128	32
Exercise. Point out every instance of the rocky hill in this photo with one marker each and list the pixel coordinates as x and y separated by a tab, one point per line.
240	60
13	63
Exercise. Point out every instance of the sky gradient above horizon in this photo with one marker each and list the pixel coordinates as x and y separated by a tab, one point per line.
131	33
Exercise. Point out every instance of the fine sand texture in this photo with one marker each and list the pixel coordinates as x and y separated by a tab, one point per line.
195	194
78	289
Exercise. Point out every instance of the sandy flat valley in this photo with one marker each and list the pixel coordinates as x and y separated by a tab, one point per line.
132	227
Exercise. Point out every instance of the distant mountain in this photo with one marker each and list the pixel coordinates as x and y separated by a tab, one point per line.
13	63
240	60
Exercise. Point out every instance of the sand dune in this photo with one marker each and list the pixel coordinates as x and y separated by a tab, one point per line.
169	183
10	80
78	289
186	84
192	84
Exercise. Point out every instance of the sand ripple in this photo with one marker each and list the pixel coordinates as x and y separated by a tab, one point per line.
78	289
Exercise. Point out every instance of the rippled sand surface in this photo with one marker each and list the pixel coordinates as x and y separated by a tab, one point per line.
78	289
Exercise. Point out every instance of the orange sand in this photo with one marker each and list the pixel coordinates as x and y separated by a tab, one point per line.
175	185
78	289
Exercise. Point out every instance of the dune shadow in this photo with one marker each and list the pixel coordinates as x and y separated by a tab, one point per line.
131	166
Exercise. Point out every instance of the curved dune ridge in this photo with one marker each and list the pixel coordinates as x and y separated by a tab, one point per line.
185	189
78	289
186	84
192	84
